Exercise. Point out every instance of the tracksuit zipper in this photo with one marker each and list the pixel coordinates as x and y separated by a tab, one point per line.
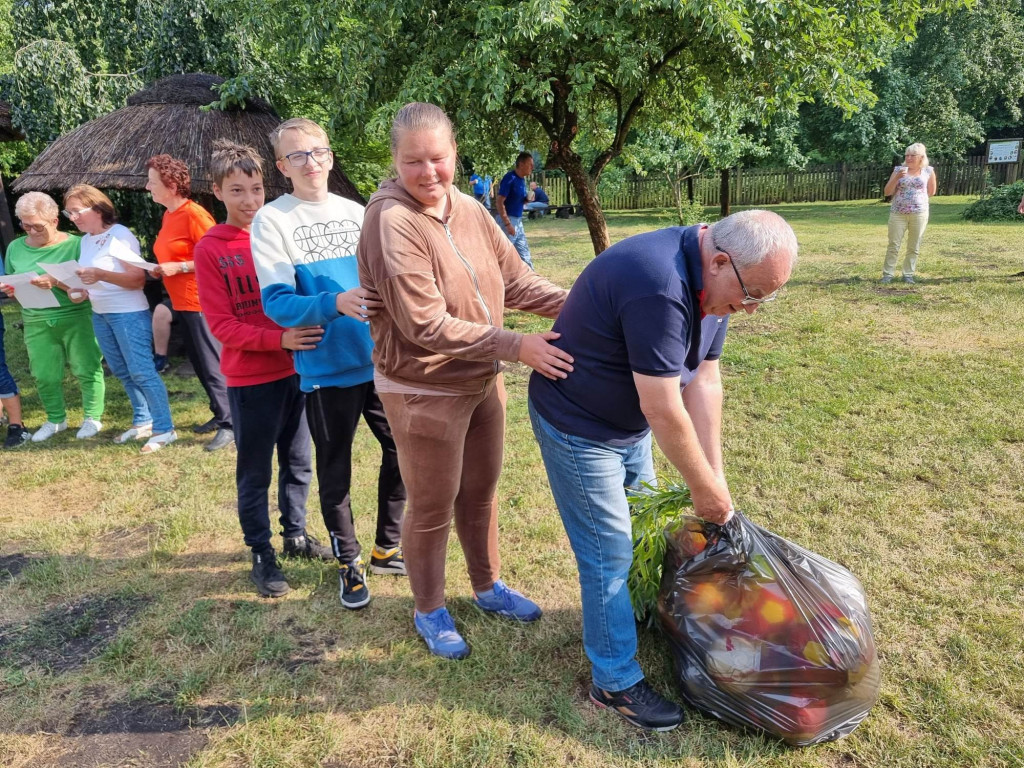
472	273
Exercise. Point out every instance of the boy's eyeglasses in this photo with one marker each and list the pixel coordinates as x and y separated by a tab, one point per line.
75	214
299	159
749	300
32	227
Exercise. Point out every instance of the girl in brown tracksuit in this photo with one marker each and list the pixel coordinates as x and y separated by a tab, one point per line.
445	273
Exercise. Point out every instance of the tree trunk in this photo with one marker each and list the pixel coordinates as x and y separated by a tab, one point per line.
689	187
723	192
586	193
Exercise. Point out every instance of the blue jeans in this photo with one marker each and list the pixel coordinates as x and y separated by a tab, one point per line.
588	481
126	340
519	240
7	386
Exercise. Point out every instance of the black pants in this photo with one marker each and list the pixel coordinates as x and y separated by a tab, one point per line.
333	415
269	416
203	351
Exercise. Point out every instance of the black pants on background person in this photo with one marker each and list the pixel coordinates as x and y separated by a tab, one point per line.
333	415
267	417
203	351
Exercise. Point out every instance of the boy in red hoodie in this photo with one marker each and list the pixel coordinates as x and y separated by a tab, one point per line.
267	406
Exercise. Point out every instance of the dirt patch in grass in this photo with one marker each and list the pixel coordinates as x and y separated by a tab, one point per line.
12	565
50	500
66	637
137	733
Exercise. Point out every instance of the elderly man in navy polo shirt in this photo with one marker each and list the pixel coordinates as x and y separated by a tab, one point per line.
645	323
512	195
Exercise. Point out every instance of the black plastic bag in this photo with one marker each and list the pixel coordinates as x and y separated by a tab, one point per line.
767	634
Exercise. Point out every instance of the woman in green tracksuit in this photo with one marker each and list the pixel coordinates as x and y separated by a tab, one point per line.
61	334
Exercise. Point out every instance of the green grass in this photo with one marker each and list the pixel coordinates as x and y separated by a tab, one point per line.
878	425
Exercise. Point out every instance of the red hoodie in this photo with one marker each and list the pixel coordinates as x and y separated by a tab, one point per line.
230	297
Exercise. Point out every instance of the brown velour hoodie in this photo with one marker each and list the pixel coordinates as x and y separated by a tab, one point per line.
444	285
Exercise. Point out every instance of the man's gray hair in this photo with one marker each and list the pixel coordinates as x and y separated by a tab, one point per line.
749	237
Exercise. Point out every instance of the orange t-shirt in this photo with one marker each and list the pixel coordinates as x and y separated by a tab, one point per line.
179	233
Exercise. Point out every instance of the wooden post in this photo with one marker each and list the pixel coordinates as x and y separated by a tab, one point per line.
842	181
737	186
723	193
7	231
790	183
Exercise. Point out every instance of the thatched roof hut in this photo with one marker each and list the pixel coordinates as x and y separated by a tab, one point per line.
110	152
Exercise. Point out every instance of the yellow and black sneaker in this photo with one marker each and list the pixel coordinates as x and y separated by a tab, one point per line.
352	585
385	561
640	705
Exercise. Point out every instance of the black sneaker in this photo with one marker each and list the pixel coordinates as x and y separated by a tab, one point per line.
385	561
16	435
352	585
640	705
307	546
206	428
161	363
221	440
267	576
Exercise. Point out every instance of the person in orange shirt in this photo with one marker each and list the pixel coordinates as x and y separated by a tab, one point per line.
184	222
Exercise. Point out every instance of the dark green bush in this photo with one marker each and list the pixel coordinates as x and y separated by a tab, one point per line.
1000	205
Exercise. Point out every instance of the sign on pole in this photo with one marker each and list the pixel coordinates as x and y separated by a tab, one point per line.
1003	151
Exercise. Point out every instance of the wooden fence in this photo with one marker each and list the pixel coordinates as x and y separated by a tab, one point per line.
769	186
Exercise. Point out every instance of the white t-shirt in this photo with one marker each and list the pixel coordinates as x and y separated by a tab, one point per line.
108	298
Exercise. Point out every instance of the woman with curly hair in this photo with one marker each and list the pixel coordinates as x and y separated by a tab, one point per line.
184	222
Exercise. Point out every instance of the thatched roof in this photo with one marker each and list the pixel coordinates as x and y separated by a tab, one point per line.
110	152
7	130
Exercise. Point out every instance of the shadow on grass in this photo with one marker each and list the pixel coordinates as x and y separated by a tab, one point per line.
188	639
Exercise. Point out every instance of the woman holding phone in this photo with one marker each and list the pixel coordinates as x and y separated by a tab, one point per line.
910	185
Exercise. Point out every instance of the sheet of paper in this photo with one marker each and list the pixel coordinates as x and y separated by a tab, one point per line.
122	252
66	273
28	295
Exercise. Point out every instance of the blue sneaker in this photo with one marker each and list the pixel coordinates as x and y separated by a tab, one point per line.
437	628
508	603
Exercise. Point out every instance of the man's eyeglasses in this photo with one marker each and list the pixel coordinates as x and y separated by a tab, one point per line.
32	227
299	159
75	214
748	300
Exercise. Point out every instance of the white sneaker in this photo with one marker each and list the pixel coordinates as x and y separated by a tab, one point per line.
156	442
48	430
90	428
135	433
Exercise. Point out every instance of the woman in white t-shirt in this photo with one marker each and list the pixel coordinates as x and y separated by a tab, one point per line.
121	317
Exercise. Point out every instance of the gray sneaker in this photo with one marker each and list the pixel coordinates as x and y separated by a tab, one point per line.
908	279
886	279
222	439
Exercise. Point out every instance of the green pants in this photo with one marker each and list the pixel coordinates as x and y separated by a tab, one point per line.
51	344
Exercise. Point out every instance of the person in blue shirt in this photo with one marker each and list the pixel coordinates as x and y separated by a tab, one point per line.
645	323
10	398
538	198
476	183
512	196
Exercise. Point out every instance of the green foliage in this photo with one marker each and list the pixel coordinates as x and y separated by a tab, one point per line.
556	71
999	205
653	511
958	81
74	61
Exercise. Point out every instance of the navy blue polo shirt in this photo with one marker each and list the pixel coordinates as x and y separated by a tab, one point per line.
634	308
540	196
513	188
